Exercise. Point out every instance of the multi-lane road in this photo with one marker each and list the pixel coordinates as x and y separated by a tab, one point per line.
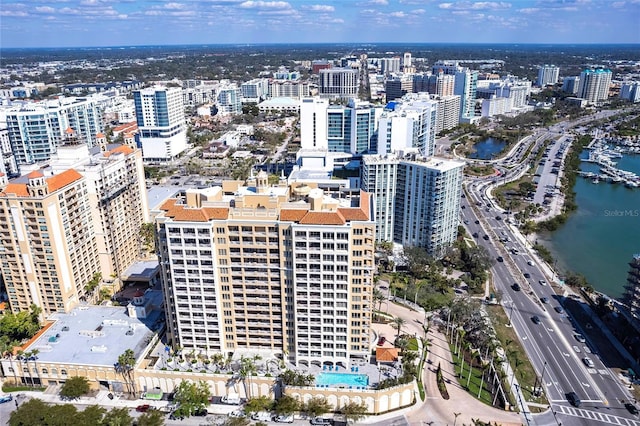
553	341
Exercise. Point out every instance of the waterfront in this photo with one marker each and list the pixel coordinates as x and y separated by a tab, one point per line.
599	239
487	149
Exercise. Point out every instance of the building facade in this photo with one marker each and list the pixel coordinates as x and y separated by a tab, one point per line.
37	129
229	100
338	83
259	269
548	75
76	218
594	84
417	201
161	122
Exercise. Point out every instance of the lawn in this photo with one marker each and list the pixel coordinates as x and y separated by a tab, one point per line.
413	344
525	373
474	381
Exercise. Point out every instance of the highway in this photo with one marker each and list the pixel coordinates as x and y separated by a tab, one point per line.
552	344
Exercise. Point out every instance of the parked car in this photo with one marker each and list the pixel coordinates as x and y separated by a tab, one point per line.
283	418
201	412
261	416
5	398
143	408
381	340
321	421
232	399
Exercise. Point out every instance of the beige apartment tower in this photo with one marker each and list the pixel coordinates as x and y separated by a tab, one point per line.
63	223
284	270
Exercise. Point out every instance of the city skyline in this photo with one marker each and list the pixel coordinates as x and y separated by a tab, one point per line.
95	23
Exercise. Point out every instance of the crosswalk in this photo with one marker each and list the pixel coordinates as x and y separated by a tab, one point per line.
595	416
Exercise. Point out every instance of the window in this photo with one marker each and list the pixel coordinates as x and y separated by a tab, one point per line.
63	372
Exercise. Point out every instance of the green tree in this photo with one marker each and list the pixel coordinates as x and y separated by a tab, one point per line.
237	421
31	412
354	411
286	405
261	403
59	415
74	387
117	417
191	397
378	298
397	323
124	366
316	406
151	418
417	260
90	416
147	233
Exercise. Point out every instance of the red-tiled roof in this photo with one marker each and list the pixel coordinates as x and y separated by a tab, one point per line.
19	189
323	218
69	131
35	174
126	150
293	215
63	179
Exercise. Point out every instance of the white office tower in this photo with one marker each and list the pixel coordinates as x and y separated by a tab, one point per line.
36	129
255	90
594	84
347	128
630	91
571	84
495	106
406	60
417	201
229	99
8	165
161	122
448	115
548	75
410	124
272	270
390	65
427	205
338	83
465	87
378	177
313	124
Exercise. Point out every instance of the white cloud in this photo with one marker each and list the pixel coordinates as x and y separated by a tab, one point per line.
45	9
14	13
529	10
418	11
481	5
174	6
265	5
321	8
398	14
377	2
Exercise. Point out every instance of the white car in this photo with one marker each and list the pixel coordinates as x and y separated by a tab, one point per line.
542	282
283	418
580	338
588	362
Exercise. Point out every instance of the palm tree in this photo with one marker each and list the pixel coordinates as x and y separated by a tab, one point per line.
124	366
21	355
397	323
378	298
33	355
247	368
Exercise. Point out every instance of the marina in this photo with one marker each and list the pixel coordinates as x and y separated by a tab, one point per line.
603	155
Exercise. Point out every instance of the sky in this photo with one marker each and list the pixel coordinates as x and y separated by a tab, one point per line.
89	23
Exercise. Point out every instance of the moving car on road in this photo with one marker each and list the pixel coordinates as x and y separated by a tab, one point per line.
631	408
588	362
573	399
535	319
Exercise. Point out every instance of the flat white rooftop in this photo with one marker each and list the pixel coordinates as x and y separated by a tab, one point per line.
94	335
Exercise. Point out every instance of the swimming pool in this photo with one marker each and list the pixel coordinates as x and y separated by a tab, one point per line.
345	379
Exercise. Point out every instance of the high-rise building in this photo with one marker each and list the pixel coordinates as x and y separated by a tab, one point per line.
338	83
49	248
594	85
269	269
548	75
288	89
37	129
390	65
77	217
161	121
427	204
630	91
465	87
632	288
397	86
347	128
8	165
255	90
417	201
229	99
448	114
441	84
409	123
571	84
